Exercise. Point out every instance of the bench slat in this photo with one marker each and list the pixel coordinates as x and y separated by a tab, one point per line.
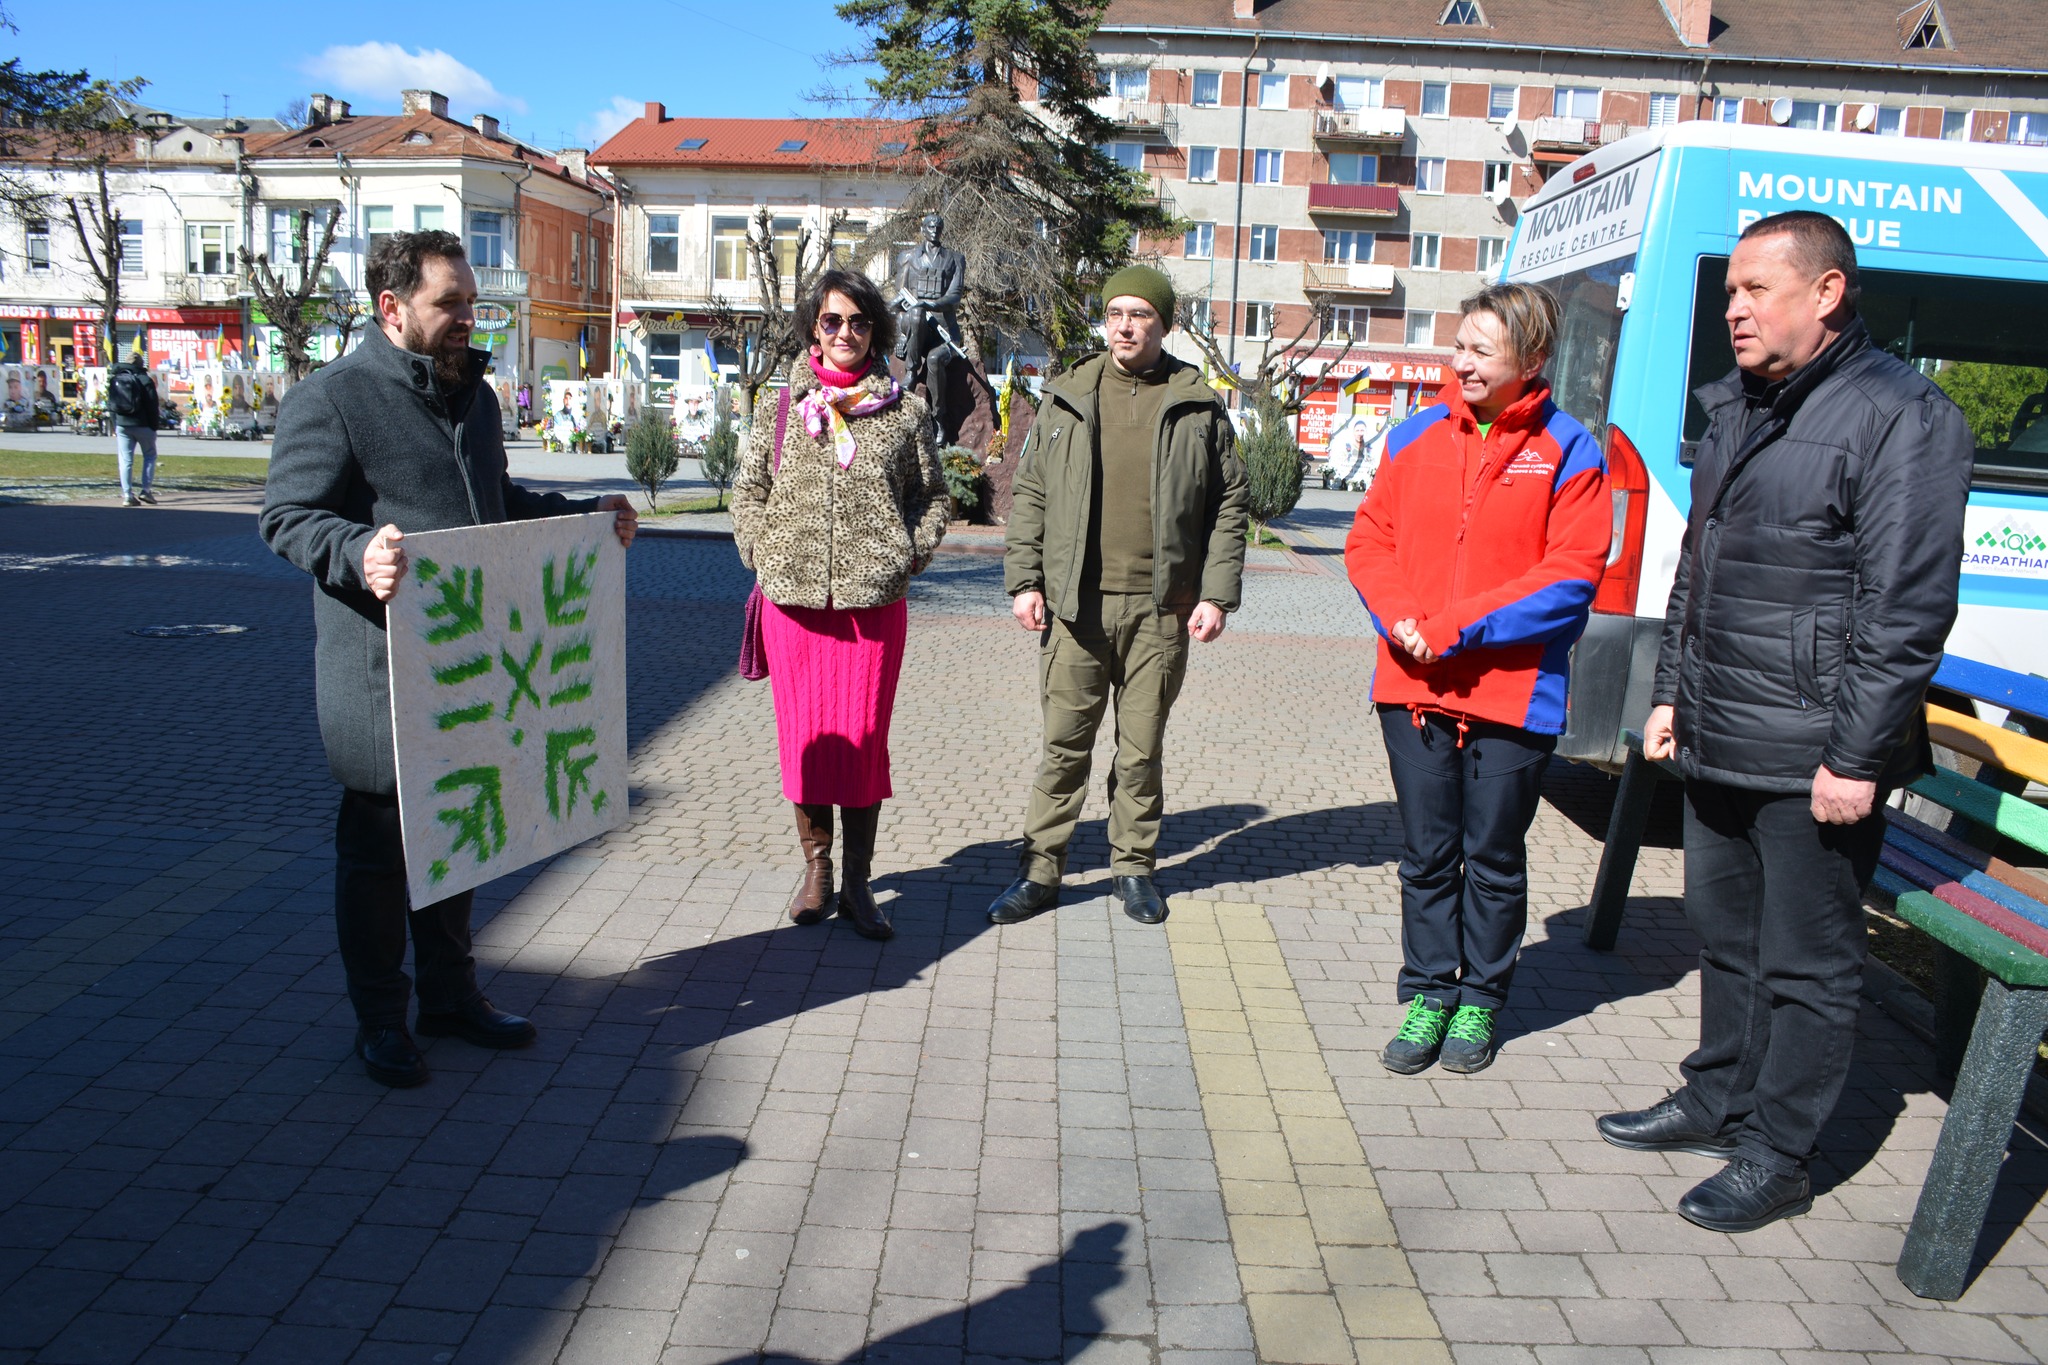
1988	743
2009	815
1995	950
1999	686
2029	884
1947	869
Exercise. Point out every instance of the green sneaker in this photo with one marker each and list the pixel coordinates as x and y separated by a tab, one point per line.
1469	1047
1420	1038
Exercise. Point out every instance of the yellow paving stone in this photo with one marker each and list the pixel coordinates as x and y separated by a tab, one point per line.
1293	1070
1327	1140
1202	955
1240	1114
1212	1043
1407	1351
1262	977
1263	999
1215	1021
1348	1217
1278	1279
1284	1037
1299	1329
1208	995
1343	1175
1262	1196
1269	1239
1223	1075
1319	1104
1367	1265
1252	1156
1385	1311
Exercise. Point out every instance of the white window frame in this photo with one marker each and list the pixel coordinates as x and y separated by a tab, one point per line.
1567	101
1663	109
429	217
1427	332
1199	242
576	258
1129	156
1827	118
1890	122
1202	165
1273	90
1494	174
2027	129
1269	165
487	230
729	251
285	246
1367	163
1728	109
665	368
1437	94
1429	174
1493	109
665	227
1262	242
1370	91
1348	246
1214	80
1258	321
1426	251
1130	82
1351	320
1955	125
1492	251
35	243
198	236
131	247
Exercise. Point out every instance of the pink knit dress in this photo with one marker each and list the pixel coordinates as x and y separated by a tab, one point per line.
833	674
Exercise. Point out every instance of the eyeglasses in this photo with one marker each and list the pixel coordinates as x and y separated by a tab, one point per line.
832	322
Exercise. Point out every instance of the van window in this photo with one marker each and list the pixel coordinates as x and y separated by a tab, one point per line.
1589	333
1979	339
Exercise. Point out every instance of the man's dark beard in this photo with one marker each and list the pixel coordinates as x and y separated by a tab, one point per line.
451	363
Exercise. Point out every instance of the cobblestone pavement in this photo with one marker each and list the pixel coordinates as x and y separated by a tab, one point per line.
736	1139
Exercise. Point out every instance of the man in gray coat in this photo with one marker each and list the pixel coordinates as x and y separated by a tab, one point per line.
400	435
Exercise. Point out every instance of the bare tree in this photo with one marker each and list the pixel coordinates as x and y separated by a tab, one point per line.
98	225
293	113
283	291
1277	375
767	341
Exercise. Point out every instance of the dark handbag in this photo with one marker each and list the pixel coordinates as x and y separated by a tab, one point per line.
753	656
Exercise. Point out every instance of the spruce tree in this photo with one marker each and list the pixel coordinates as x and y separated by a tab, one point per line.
1041	212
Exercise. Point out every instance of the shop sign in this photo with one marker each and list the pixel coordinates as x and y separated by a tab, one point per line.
660	324
493	317
201	317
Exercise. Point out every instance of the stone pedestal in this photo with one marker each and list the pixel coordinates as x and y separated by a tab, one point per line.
971	403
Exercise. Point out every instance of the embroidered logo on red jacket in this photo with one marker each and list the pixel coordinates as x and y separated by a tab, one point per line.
1530	461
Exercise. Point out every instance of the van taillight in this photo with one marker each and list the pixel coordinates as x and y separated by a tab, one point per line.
1628	481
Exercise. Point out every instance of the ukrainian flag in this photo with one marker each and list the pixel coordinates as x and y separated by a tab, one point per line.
583	352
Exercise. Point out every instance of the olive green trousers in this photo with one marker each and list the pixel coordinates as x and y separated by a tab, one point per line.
1122	653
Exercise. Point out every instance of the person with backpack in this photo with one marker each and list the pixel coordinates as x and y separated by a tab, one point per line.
132	398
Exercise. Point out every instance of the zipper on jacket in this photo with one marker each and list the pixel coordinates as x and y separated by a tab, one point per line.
476	514
1479	482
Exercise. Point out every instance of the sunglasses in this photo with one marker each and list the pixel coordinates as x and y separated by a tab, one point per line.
832	322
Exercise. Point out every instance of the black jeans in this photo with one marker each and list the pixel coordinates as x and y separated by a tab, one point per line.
1777	898
1465	816
371	916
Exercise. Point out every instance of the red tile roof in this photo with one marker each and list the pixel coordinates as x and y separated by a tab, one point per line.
418	136
754	143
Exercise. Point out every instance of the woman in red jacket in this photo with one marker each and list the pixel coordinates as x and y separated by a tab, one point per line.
1477	553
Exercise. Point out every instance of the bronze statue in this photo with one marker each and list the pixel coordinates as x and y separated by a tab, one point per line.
928	328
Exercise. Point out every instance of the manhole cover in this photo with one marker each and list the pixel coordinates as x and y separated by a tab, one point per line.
183	632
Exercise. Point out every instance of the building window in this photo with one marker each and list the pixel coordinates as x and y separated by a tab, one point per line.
377	225
1273	90
785	230
429	217
1492	251
131	247
1265	242
1129	156
1500	102
1663	110
287	243
1266	165
1727	110
2028	129
596	259
1436	99
665	356
1208	89
1814	116
1356	92
1429	175
850	246
1200	243
1421	328
1570	101
38	233
1499	177
486	240
1353	168
1202	165
1346	248
1955	125
1425	251
665	243
576	258
1348	321
209	249
729	249
1462	12
1130	82
1891	122
1258	321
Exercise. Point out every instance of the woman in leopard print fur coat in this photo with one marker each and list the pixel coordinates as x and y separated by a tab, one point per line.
838	501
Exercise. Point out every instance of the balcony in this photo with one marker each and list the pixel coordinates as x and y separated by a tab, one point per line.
1354	127
1564	134
1362	278
1355	201
1147	118
497	282
1615	132
194	289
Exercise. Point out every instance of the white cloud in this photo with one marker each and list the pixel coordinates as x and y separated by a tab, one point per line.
599	127
381	70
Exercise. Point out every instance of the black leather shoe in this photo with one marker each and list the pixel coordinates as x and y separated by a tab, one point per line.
1141	899
1745	1196
479	1022
1664	1127
1023	899
390	1056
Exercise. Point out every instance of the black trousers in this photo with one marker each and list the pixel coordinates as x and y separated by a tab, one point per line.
1465	814
1777	899
372	916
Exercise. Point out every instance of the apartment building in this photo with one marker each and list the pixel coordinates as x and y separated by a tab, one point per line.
537	226
1356	169
689	189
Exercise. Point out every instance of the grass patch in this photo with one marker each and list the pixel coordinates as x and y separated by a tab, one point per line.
84	472
1262	540
685	507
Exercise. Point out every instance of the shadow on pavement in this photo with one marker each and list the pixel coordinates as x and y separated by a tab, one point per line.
1311	841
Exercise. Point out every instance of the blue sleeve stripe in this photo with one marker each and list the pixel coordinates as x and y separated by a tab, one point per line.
1577	450
1553	611
1547	699
1410	430
1377	624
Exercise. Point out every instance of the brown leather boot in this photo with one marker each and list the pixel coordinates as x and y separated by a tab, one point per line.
856	903
812	903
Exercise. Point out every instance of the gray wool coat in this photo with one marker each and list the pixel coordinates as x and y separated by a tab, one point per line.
369	440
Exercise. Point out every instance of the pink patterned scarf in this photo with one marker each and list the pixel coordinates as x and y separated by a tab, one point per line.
838	397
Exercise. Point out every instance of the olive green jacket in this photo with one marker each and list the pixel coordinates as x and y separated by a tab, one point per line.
1198	495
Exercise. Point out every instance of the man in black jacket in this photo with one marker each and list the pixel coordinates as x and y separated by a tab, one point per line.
1816	583
399	435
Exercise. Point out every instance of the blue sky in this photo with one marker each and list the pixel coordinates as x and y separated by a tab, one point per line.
555	74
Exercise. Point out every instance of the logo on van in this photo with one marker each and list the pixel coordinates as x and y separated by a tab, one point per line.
1995	542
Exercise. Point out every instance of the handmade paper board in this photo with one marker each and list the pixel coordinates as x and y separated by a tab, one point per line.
508	696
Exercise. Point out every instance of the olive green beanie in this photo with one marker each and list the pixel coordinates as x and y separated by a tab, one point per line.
1141	282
